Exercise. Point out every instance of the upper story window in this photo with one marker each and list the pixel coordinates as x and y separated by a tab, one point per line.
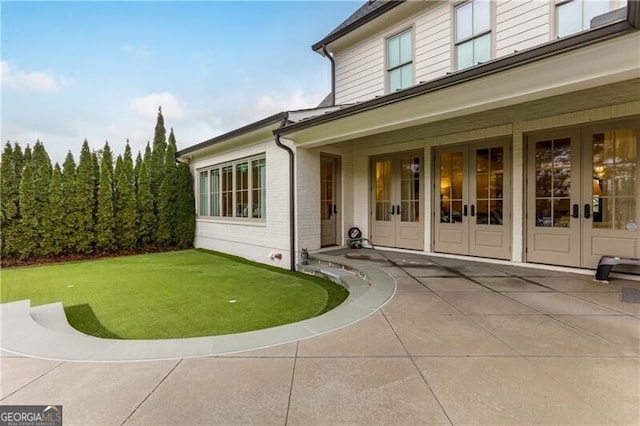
472	33
234	190
400	61
573	16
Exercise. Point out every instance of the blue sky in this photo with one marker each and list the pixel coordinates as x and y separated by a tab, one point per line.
99	70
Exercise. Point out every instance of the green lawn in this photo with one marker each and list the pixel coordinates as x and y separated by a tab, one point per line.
176	294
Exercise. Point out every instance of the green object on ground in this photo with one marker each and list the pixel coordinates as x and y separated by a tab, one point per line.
169	295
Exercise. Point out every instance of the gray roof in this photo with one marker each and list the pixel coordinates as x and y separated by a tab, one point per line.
367	12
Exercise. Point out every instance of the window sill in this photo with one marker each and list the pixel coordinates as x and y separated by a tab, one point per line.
233	221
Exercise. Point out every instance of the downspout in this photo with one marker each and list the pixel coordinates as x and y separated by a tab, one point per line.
333	74
292	208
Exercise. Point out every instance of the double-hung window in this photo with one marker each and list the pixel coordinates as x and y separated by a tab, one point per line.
472	33
400	61
233	190
573	16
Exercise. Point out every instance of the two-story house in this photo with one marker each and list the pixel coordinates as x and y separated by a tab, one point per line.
497	129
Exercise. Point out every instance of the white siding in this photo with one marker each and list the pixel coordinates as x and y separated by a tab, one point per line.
360	72
433	43
521	25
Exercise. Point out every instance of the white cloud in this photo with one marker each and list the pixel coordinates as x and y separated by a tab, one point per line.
273	103
35	81
138	52
148	105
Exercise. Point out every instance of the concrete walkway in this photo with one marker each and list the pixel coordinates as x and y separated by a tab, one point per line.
460	343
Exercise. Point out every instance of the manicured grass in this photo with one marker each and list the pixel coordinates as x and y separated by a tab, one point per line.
176	294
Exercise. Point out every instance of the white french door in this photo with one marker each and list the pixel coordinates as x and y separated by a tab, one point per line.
472	203
396	202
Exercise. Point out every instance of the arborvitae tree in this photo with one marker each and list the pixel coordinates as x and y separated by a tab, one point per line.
9	202
125	205
136	171
85	202
69	201
185	207
156	168
105	217
146	214
28	227
41	167
18	160
26	156
53	223
166	205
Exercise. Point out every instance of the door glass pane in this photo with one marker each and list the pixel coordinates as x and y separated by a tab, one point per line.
383	190
489	181
410	190
553	182
326	189
613	185
451	180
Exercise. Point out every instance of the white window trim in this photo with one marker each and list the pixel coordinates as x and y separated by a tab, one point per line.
491	31
234	218
387	70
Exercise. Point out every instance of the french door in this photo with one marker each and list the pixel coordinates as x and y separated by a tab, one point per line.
328	201
396	200
473	204
582	195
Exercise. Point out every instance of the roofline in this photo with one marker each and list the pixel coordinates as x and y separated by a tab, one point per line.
502	64
356	24
276	118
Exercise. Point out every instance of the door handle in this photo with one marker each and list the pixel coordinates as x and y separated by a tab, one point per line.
473	209
576	211
587	211
464	210
335	209
393	209
398	209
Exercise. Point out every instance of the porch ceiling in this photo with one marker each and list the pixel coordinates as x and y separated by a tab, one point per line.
602	74
613	94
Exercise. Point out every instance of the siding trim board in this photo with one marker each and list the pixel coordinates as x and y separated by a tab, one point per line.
552	48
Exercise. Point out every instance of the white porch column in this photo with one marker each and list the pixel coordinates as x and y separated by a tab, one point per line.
518	183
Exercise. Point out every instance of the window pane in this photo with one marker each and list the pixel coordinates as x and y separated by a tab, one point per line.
395	80
406	75
410	190
465	55
214	201
464	21
258	173
204	192
569	18
481	16
393	52
227	191
481	49
405	47
242	190
593	8
383	190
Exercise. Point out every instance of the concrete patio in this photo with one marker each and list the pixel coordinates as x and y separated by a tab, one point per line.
461	342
